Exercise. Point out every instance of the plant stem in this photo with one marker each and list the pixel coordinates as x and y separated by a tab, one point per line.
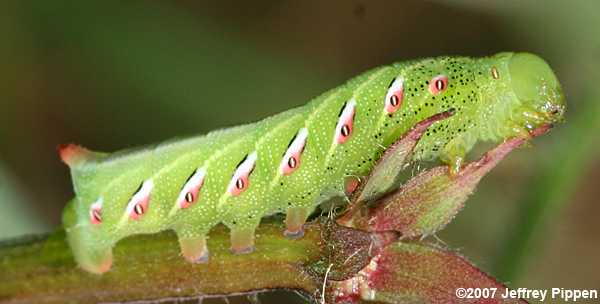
150	267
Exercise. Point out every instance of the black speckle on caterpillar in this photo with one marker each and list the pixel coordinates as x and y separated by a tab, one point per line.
298	159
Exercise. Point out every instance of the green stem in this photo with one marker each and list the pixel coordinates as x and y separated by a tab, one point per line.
150	267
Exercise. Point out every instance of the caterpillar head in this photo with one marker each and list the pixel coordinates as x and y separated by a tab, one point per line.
522	92
534	84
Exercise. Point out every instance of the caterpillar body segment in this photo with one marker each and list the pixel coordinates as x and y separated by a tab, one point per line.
293	161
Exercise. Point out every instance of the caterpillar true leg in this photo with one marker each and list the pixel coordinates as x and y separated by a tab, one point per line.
294	222
242	240
454	153
194	249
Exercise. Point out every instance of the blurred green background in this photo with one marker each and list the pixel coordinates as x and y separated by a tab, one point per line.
110	75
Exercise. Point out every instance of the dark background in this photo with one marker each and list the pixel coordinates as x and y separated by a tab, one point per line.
110	75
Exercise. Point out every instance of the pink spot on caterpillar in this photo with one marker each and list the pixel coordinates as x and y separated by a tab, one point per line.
394	96
96	212
138	204
343	130
189	191
438	84
241	178
291	158
73	155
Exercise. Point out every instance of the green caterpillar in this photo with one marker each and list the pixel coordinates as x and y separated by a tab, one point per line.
293	161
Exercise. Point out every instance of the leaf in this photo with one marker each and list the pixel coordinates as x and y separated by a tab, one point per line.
429	201
416	273
384	174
